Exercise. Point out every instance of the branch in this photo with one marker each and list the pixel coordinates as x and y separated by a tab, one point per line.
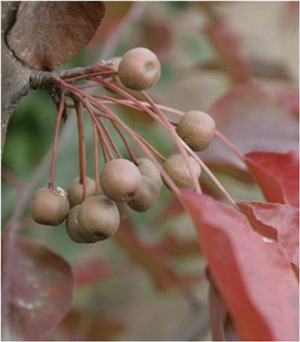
15	76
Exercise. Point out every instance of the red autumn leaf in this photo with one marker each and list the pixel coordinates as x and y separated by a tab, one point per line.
277	175
253	119
220	321
48	33
254	277
228	46
37	287
276	221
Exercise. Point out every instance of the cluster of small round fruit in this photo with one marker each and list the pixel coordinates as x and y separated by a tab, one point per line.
92	215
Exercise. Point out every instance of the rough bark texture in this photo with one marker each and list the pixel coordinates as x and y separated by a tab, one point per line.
15	77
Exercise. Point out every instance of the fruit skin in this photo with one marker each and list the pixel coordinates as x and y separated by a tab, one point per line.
139	69
74	230
120	180
49	206
148	168
99	217
177	169
146	196
75	190
196	129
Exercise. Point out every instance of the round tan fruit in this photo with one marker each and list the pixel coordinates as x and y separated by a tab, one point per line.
75	231
176	168
120	180
146	196
75	190
139	69
99	217
49	206
148	168
196	129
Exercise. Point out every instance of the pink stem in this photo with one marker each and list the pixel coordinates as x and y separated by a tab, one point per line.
55	142
82	152
96	159
230	145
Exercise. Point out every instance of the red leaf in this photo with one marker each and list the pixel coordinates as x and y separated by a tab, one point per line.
228	46
253	119
276	221
220	321
277	175
48	33
37	290
254	277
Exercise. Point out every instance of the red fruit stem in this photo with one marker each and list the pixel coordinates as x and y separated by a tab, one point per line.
82	152
161	157
112	143
230	145
128	96
181	149
211	175
96	160
55	141
80	94
86	77
129	150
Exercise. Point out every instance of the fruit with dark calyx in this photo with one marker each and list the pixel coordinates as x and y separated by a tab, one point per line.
99	217
148	168
196	129
120	180
146	196
139	69
75	190
49	206
177	169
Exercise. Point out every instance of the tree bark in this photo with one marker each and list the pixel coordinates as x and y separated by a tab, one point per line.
15	76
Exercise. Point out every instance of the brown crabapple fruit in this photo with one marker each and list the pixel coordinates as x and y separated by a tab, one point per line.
196	129
139	69
146	196
148	168
98	217
75	190
120	180
177	169
49	206
75	231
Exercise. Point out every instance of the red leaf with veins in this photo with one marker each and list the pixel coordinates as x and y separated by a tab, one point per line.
253	119
276	221
37	290
254	277
277	175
